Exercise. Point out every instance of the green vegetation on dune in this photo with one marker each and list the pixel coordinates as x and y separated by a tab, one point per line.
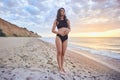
2	34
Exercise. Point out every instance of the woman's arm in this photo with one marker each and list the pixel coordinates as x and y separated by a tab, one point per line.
69	25
68	29
53	28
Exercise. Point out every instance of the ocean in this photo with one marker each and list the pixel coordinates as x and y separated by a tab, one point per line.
106	46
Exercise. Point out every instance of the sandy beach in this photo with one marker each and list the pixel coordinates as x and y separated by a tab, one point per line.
30	58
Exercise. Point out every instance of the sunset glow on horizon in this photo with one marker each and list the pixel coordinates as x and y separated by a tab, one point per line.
111	33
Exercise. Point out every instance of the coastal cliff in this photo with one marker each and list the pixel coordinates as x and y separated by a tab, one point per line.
8	29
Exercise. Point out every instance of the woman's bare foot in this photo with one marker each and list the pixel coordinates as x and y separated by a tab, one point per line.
59	69
63	70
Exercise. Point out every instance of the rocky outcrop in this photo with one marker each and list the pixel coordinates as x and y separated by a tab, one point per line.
8	29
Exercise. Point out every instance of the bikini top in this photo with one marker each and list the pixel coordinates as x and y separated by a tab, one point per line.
62	23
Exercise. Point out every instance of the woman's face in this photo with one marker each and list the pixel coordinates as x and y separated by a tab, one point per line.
62	12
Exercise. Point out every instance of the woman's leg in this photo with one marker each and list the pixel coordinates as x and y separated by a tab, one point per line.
64	46
59	51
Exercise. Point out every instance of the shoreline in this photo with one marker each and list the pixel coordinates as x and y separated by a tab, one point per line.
85	54
112	63
37	60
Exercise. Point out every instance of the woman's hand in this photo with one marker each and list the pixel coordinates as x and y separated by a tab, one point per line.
66	31
61	33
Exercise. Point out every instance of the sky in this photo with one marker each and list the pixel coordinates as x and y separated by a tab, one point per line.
88	18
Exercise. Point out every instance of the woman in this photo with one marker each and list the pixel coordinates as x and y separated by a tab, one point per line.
63	26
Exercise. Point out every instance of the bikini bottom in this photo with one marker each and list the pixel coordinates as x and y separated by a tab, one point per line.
63	38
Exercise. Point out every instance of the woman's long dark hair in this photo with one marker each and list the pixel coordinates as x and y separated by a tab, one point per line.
59	15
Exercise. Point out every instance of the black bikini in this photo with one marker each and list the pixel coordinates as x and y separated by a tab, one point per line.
62	23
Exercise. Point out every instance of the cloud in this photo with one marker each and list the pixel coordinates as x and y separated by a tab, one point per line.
38	16
32	10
